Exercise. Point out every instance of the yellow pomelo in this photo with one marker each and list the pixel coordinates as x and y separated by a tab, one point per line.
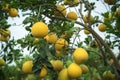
39	29
74	71
86	19
57	64
4	38
2	62
80	55
84	68
102	27
86	31
27	67
63	75
60	44
13	12
51	37
43	73
72	15
61	11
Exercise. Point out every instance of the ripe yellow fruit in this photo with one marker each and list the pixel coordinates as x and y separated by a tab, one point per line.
86	19
27	67
74	71
51	37
60	44
2	62
43	73
57	64
86	31
72	15
102	27
13	12
63	75
84	68
61	9
80	55
110	2
7	32
118	11
39	29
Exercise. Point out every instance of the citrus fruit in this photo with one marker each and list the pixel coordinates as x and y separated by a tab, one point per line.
110	2
72	15
102	27
84	68
71	2
86	19
74	71
51	37
27	67
39	29
118	11
43	73
108	75
61	10
60	44
86	31
13	12
2	62
4	38
58	54
57	64
80	55
63	75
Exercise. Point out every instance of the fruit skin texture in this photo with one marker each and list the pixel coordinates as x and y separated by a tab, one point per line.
4	38
39	29
80	55
57	64
74	71
86	31
43	73
84	68
61	9
102	27
85	18
72	15
63	75
27	67
60	44
2	62
13	12
51	37
110	2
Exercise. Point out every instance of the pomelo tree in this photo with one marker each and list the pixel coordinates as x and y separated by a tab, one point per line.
56	51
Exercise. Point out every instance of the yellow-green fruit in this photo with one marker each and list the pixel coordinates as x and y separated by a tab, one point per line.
86	31
102	27
110	2
61	44
6	7
63	75
39	29
13	12
87	19
7	32
51	37
61	11
118	11
58	54
71	2
57	64
4	38
72	15
84	68
43	73
74	71
2	62
108	75
27	67
80	55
